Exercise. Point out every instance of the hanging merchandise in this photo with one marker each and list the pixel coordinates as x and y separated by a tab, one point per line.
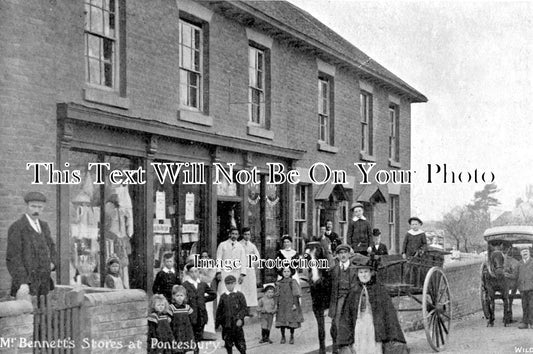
189	206
160	205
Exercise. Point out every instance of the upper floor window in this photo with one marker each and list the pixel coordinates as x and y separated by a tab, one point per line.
324	115
190	62
394	139
256	95
366	123
101	42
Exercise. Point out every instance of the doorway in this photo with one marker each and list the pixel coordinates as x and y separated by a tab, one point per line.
228	216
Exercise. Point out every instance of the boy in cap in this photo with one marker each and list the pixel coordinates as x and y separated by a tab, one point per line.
379	249
31	252
359	231
230	315
267	307
343	280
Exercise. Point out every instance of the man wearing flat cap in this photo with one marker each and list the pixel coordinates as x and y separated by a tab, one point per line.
359	231
31	253
343	280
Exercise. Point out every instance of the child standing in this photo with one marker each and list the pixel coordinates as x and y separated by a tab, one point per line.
289	314
112	278
166	278
181	318
230	315
267	307
198	293
415	239
159	330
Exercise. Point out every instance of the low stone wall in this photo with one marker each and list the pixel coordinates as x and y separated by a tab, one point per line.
16	326
114	321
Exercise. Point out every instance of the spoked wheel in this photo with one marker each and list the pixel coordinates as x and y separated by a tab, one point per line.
436	308
483	293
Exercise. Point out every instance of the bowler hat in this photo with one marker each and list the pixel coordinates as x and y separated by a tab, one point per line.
414	218
34	197
357	205
343	246
376	232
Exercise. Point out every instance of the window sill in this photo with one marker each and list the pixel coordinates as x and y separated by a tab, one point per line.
366	157
108	98
195	117
259	131
322	146
393	163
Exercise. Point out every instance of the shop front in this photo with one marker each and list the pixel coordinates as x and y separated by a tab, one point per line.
148	189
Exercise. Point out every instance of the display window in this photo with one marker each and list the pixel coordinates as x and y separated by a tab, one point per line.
103	220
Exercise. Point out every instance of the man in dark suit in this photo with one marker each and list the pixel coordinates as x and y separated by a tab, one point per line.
525	285
343	279
31	252
379	249
359	231
198	293
332	235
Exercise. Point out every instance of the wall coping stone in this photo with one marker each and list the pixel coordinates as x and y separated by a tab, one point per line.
15	308
106	297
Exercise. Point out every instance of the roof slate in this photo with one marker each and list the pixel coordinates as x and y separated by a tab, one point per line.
302	22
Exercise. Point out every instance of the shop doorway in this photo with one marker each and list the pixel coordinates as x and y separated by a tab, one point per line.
228	216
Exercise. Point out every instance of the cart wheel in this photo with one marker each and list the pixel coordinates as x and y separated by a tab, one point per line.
483	294
436	308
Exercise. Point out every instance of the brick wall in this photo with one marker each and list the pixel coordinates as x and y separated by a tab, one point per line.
16	326
46	68
114	321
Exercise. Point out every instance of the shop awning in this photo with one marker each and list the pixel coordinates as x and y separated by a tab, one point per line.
325	190
371	193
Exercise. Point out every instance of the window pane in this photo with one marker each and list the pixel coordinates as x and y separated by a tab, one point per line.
108	74
93	44
196	58
108	50
186	36
260	60
194	97
197	40
260	80
186	58
94	71
253	78
97	20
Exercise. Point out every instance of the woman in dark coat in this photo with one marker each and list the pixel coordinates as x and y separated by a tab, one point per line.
381	312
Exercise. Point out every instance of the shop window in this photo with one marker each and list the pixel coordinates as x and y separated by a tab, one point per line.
178	221
103	221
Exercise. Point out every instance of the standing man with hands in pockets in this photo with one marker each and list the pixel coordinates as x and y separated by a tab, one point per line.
31	253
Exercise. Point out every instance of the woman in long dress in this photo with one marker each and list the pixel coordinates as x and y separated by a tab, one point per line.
287	252
369	318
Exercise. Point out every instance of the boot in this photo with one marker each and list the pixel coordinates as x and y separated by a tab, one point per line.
282	341
291	340
267	336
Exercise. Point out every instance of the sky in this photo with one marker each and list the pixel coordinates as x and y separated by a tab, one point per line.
474	63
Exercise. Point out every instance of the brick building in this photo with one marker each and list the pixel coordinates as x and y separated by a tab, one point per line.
242	84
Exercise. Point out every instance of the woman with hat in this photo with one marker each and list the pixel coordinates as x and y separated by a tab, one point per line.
369	323
415	239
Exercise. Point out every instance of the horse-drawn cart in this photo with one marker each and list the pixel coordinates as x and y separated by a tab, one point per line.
422	279
498	271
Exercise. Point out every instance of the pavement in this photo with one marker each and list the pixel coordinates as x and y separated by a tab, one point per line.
468	335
